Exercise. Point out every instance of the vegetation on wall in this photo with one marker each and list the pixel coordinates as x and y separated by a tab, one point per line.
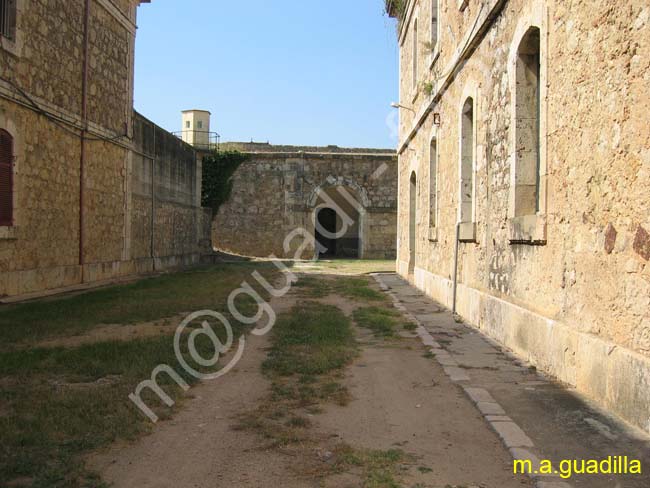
218	170
396	8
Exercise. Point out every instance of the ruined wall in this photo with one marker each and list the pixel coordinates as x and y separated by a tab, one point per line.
577	301
274	194
41	107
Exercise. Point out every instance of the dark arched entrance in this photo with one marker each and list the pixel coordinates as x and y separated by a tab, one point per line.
324	232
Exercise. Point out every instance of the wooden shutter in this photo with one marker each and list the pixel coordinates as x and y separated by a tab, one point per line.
6	178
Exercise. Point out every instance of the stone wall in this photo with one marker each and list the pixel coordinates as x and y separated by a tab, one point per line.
275	193
168	222
573	294
40	106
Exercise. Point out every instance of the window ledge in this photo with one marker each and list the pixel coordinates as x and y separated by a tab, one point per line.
8	233
13	47
433	234
528	229
467	232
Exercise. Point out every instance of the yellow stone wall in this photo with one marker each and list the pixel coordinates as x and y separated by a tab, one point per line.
579	305
41	106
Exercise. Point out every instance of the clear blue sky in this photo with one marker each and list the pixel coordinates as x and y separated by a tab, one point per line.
309	72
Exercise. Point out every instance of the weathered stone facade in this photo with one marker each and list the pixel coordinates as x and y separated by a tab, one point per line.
45	104
281	189
564	282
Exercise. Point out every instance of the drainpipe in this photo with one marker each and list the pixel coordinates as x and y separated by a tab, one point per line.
84	129
153	199
456	266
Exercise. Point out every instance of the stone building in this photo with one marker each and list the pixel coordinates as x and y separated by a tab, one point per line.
524	128
344	199
77	203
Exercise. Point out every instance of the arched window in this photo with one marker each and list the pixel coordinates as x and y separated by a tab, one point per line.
433	183
527	128
415	53
467	162
6	178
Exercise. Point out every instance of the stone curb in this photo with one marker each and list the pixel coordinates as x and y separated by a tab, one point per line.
512	436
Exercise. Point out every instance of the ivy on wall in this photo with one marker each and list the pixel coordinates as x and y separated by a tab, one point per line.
396	8
218	170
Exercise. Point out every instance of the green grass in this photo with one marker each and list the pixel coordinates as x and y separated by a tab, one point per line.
59	403
354	288
57	409
314	339
146	300
380	467
350	266
383	322
310	347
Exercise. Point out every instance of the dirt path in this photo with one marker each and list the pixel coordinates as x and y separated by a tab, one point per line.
400	400
198	448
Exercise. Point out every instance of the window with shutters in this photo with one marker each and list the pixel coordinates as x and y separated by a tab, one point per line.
6	178
8	19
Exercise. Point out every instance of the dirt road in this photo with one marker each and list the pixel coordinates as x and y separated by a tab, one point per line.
400	402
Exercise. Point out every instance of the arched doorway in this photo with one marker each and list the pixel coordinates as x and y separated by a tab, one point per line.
412	221
327	228
338	225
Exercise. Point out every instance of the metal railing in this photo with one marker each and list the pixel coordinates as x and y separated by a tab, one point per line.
200	139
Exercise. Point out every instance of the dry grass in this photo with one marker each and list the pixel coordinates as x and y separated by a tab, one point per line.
58	403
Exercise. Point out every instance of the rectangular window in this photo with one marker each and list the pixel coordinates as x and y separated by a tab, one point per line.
6	178
199	124
467	162
415	54
8	19
188	124
434	24
527	128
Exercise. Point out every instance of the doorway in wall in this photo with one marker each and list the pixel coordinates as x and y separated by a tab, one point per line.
327	227
339	219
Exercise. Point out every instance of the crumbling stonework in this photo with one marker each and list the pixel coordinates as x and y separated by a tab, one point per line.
41	107
277	192
566	285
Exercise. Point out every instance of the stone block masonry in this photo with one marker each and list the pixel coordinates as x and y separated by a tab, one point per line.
280	189
532	138
61	227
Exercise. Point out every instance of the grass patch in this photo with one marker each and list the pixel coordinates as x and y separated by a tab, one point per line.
410	326
355	288
314	339
146	300
59	403
352	266
383	322
310	347
380	467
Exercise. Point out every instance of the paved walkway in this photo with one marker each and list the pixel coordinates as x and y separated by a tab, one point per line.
535	417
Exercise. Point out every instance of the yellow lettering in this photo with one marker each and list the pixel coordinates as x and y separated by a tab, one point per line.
545	467
592	466
565	469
